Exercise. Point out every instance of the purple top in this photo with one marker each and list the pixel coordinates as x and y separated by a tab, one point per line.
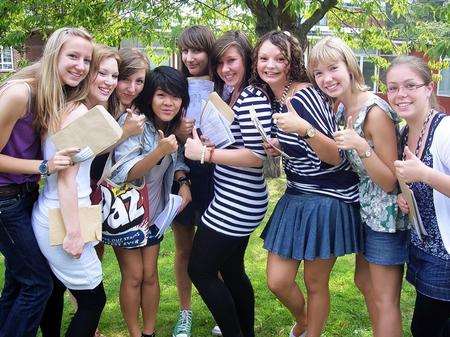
23	143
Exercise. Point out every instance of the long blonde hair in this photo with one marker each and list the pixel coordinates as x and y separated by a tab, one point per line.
52	99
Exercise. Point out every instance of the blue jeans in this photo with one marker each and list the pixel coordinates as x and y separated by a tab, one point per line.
28	282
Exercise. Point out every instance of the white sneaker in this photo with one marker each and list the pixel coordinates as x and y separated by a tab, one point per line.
291	333
216	331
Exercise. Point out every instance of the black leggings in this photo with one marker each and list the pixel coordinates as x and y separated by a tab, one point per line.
231	301
85	321
431	317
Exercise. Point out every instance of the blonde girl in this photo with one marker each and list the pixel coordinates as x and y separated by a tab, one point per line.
24	99
369	139
65	64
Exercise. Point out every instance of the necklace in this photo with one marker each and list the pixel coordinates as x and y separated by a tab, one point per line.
422	133
283	97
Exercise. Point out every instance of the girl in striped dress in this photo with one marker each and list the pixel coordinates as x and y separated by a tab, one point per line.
240	195
317	219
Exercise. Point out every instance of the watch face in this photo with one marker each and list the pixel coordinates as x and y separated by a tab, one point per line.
311	132
43	168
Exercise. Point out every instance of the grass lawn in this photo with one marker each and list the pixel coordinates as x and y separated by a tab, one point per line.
348	316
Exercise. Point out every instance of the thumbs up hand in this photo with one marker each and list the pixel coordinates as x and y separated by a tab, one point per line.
290	121
134	123
167	145
193	146
348	139
411	169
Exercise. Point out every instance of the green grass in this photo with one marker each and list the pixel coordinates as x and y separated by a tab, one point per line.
348	316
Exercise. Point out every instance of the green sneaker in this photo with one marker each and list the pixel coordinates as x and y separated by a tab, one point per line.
184	324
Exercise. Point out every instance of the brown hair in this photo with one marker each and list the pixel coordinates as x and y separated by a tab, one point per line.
229	39
420	67
291	50
131	61
196	37
102	52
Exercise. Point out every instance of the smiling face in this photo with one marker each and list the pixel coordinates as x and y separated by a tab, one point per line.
333	78
230	67
74	60
165	106
407	93
104	83
129	88
196	61
272	66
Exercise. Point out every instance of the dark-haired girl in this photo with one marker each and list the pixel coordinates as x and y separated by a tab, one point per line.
240	195
195	45
317	219
159	164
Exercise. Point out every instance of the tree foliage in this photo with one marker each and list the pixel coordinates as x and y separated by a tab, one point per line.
391	26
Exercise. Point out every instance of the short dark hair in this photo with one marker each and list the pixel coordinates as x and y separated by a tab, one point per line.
171	81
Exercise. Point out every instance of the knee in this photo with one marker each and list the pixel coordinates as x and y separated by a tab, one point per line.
133	280
277	285
316	285
183	253
150	279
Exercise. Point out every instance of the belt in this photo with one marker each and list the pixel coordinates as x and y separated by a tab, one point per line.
14	189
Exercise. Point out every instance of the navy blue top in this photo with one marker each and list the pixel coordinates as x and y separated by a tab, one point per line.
305	172
431	243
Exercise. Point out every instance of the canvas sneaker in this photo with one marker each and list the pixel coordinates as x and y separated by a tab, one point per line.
216	331
183	326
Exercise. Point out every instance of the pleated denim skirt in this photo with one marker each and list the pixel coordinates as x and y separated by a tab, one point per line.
313	226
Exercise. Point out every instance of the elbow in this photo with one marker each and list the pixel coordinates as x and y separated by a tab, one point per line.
389	184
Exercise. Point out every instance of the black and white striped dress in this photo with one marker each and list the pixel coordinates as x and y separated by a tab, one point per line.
240	194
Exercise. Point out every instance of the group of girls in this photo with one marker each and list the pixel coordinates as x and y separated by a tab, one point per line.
343	152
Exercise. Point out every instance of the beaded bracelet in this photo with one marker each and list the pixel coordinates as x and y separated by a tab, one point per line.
202	154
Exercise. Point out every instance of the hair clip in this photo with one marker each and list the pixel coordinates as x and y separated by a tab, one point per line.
287	33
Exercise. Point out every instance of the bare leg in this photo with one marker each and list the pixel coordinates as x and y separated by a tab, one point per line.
150	288
183	236
387	285
132	269
363	283
317	276
281	275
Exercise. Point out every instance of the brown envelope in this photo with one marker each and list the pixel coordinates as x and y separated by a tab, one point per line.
96	129
90	221
221	106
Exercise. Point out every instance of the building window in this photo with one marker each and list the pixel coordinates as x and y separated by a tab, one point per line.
6	59
444	83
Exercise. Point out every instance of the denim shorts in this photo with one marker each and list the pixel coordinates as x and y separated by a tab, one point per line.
386	249
429	274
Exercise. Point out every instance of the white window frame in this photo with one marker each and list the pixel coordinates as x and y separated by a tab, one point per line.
3	63
439	93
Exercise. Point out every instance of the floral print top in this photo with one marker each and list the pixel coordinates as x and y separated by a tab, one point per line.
379	209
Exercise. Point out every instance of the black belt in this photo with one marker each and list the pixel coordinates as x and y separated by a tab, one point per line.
14	189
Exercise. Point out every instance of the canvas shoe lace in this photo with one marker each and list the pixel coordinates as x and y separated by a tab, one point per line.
183	326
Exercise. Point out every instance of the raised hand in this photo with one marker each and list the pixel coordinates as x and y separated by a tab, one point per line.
62	159
411	169
290	121
348	139
185	128
193	146
73	244
134	124
167	145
